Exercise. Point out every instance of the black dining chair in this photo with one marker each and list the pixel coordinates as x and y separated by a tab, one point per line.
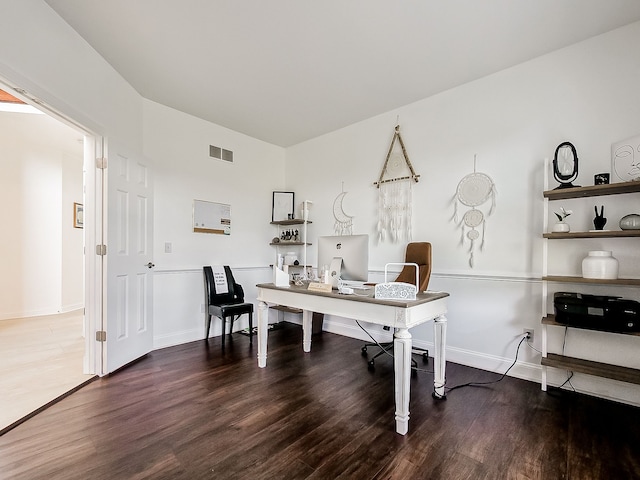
229	305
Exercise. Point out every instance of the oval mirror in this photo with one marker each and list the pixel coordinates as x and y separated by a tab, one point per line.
565	165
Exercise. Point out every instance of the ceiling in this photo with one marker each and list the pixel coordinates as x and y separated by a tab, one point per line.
285	71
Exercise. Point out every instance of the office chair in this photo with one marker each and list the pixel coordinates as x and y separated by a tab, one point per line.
419	253
226	305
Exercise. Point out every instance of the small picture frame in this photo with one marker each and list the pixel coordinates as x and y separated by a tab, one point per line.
282	206
78	215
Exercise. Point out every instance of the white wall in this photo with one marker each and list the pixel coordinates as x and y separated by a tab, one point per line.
41	54
41	252
183	171
586	94
72	288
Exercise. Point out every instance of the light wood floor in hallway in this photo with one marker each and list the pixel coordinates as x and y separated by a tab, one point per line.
40	359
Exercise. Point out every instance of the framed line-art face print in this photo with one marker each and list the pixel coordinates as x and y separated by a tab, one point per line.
625	160
282	206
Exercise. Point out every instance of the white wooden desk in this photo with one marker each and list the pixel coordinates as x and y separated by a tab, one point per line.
400	315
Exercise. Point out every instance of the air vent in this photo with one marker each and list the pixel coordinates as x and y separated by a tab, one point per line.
227	155
220	153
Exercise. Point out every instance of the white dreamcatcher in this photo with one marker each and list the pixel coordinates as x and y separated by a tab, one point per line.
395	192
344	223
474	190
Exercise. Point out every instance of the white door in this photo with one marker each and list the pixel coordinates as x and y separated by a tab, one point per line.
129	245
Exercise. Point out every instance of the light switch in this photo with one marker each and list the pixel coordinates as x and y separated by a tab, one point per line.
167	247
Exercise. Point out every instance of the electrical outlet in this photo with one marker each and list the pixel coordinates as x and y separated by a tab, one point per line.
529	333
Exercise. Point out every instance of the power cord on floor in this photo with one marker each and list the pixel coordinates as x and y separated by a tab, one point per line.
564	344
568	380
477	384
414	364
470	384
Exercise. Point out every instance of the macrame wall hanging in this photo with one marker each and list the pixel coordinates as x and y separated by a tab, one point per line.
344	223
394	192
473	190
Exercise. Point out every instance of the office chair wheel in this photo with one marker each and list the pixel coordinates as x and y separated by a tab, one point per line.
425	357
364	351
372	364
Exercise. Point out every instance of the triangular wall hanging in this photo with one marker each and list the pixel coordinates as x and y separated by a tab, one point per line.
394	192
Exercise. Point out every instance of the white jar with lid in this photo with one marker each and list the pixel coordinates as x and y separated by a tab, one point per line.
601	265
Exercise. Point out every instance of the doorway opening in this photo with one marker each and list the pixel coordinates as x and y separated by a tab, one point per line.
46	329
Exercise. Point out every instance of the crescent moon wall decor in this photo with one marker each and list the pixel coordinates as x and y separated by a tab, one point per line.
473	190
344	223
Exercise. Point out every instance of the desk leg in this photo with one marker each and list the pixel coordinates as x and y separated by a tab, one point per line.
439	360
263	332
307	316
402	370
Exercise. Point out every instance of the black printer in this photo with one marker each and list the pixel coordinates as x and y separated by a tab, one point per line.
600	312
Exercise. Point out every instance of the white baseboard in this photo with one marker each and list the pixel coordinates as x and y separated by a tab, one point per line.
72	308
599	387
177	338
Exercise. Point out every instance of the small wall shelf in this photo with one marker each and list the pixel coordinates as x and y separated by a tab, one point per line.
551	320
633	282
593	191
294	221
597	234
614	372
285	243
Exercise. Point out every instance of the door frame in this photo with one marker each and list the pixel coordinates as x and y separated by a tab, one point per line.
93	228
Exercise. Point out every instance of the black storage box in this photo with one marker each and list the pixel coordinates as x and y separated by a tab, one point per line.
599	312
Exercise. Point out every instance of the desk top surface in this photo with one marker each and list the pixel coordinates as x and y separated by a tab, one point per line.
361	295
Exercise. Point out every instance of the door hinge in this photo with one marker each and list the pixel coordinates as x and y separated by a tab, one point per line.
101	163
101	250
101	336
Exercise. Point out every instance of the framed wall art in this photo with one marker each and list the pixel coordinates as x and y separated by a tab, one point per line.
78	215
282	206
625	160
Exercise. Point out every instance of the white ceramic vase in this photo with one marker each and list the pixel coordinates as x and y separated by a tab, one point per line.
601	265
561	227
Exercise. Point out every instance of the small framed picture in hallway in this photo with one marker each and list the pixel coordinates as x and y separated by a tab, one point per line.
78	215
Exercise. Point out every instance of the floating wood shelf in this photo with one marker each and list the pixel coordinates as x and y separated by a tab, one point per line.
285	243
593	191
598	234
294	221
551	320
614	372
634	282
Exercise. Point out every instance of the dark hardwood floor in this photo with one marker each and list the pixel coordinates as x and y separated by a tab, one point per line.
195	412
